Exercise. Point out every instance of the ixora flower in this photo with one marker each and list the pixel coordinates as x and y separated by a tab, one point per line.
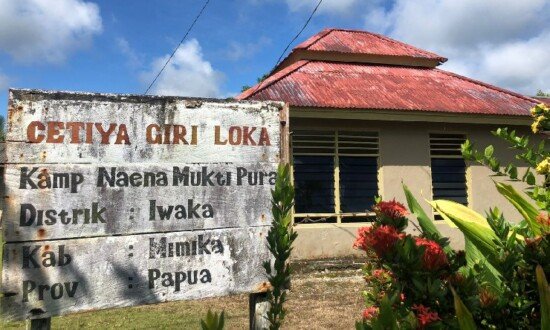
370	312
391	209
487	298
544	219
381	273
381	239
361	240
434	257
424	315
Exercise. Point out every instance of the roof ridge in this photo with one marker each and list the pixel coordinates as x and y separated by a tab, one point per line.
319	36
481	83
349	30
411	47
272	79
327	31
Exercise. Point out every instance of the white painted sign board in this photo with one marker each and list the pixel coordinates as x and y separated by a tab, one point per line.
121	200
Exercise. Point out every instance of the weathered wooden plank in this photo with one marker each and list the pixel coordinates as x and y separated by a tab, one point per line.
110	199
84	230
284	117
97	273
90	128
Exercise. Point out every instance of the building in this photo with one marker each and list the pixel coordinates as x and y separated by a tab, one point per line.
368	112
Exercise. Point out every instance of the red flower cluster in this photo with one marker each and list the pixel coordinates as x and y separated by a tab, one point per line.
361	241
381	239
370	312
434	257
425	316
381	273
391	209
544	220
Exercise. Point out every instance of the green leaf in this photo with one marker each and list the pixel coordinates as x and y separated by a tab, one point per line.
466	149
526	209
279	242
544	293
424	221
487	273
541	147
489	151
213	321
465	318
473	225
530	179
494	164
386	318
513	172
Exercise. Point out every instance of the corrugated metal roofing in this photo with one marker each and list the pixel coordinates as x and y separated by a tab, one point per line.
543	99
362	42
369	86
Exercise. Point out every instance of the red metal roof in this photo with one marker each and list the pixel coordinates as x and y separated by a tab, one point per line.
362	42
543	99
371	86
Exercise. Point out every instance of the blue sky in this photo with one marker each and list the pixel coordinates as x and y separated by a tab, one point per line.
117	46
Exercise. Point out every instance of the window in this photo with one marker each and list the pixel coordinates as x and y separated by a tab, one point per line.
335	175
448	168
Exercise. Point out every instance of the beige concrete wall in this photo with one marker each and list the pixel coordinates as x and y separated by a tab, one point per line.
405	157
318	241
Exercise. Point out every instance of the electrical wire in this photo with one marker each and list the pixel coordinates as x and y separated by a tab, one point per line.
178	46
288	46
297	35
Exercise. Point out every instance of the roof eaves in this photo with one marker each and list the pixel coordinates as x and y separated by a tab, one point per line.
408	115
477	82
271	80
411	111
434	55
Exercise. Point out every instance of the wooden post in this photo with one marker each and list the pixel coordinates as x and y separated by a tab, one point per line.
284	117
258	306
39	324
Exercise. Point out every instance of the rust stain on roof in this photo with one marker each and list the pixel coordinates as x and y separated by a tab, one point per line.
370	86
340	82
363	42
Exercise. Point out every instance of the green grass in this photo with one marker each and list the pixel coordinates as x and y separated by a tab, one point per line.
172	315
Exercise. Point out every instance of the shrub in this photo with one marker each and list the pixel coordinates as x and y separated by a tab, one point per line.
498	282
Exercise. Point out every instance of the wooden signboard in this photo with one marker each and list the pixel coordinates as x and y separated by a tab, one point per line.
121	200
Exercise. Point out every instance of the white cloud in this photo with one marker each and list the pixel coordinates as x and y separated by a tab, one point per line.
4	82
504	42
45	30
187	74
134	59
237	51
327	7
522	65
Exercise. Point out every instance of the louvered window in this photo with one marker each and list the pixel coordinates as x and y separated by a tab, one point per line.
335	175
448	168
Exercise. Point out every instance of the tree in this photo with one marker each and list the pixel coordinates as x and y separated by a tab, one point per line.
542	94
258	80
2	129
